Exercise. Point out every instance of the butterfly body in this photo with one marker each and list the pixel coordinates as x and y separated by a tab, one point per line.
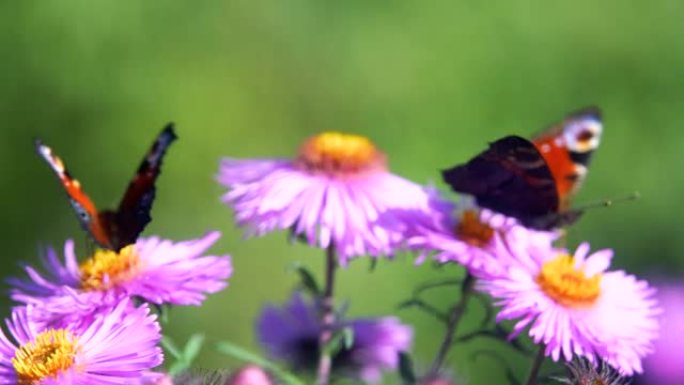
532	181
115	229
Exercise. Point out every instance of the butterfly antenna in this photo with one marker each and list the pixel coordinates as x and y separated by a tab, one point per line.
609	202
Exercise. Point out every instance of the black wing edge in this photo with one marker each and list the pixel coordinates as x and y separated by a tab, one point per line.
133	213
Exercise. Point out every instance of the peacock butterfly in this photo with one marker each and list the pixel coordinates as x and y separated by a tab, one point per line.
533	180
115	229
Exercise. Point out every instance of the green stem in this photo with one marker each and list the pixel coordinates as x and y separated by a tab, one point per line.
536	365
455	316
327	318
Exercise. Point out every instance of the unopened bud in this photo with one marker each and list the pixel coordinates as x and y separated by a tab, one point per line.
250	375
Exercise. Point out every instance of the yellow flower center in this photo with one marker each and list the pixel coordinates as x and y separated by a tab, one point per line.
337	153
472	231
49	354
568	285
107	269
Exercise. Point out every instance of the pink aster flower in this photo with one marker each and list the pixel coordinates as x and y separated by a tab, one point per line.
477	238
666	365
119	347
291	334
334	192
576	307
155	270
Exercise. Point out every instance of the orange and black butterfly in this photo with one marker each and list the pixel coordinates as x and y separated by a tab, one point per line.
533	180
115	229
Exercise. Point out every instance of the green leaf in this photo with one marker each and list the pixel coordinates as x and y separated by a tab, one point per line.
307	279
177	367
341	339
168	345
240	353
348	337
406	371
184	358
193	347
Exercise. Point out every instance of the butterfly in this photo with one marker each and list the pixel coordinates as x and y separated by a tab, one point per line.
115	229
533	180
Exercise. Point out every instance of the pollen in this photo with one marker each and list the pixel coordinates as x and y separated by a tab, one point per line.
107	269
567	284
473	231
336	153
51	352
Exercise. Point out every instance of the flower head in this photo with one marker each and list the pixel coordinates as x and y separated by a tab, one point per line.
576	307
291	335
155	270
666	364
477	238
119	347
335	191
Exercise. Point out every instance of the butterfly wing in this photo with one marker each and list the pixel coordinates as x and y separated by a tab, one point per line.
510	177
567	148
82	204
133	213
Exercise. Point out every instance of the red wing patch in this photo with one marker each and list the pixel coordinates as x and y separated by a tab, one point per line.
82	204
567	148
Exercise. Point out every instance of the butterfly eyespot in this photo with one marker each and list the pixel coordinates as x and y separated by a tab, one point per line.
83	215
585	136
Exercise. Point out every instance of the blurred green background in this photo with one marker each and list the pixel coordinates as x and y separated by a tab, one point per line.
429	82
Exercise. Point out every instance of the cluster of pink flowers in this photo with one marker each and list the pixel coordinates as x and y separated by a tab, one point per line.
90	322
337	192
572	303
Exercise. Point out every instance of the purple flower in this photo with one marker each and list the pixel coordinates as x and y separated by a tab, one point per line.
119	347
666	365
291	334
479	239
334	192
155	270
576	307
